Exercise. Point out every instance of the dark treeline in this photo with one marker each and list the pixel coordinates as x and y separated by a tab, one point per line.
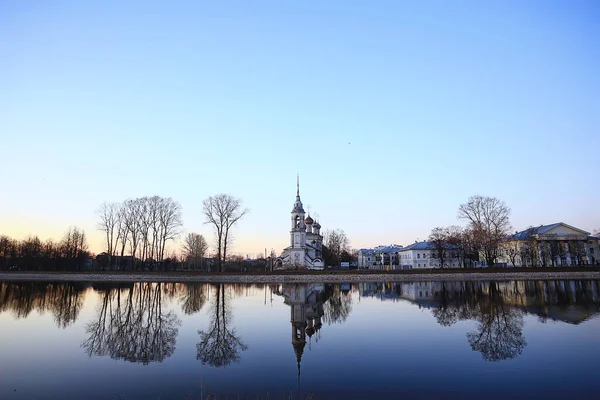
63	300
32	254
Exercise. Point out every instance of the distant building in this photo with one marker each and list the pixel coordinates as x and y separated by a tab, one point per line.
306	242
380	257
556	244
424	255
366	258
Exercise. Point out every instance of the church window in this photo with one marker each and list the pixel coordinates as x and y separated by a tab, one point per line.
418	255
297	224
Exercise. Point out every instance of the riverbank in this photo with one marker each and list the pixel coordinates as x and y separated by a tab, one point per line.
306	277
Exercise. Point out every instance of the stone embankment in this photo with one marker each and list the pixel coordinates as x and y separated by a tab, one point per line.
300	278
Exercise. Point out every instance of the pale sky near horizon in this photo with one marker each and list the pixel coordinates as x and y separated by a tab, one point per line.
393	113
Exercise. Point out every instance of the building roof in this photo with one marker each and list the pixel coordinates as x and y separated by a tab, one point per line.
426	246
542	229
387	249
420	246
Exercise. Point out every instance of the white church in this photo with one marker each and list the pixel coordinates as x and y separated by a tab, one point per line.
306	242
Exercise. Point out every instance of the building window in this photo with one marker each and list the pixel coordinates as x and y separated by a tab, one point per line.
418	255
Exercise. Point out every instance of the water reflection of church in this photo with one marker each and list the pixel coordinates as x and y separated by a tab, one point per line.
306	313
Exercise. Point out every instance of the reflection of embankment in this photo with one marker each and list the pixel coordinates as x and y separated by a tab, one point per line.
133	324
498	307
567	301
63	300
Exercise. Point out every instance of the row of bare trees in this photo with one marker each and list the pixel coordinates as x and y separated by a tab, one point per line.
32	254
142	227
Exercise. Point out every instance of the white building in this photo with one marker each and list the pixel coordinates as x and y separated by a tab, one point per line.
556	244
380	257
306	242
424	255
366	258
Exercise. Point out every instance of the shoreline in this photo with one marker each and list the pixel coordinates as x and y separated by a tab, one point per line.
292	278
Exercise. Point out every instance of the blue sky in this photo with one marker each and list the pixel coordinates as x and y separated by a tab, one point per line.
393	113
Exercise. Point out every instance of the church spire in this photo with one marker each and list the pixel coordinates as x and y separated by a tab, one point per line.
298	185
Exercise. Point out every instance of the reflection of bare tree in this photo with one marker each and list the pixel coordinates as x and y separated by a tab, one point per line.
192	298
132	325
64	300
338	305
219	346
457	301
499	334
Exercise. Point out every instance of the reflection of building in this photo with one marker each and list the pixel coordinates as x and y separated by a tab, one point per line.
306	242
571	302
380	290
306	308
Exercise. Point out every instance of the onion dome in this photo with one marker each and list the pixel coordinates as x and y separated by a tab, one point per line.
317	225
308	220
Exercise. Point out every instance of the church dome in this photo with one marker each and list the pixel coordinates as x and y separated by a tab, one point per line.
317	225
308	220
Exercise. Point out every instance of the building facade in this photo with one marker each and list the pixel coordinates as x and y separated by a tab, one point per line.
306	241
551	245
425	255
379	258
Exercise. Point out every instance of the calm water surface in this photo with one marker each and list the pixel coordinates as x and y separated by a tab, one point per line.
516	339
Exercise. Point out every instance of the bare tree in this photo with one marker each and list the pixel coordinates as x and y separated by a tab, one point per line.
223	211
488	219
512	250
577	251
439	238
132	226
75	248
194	249
109	223
336	242
169	224
124	219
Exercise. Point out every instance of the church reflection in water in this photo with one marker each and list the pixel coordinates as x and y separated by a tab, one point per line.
306	313
139	322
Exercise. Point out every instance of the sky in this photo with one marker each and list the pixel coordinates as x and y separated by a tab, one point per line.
393	113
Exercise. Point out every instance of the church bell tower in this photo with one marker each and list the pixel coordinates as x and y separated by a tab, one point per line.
298	232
